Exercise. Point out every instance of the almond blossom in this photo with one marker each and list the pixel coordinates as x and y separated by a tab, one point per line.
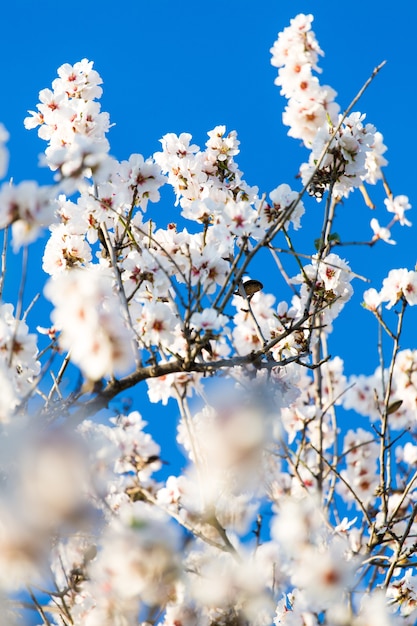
276	487
27	208
380	232
91	322
398	206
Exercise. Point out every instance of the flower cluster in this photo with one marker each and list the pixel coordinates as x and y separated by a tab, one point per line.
366	394
296	53
85	310
361	453
211	176
355	153
400	284
19	365
28	208
320	563
285	203
325	287
70	120
343	166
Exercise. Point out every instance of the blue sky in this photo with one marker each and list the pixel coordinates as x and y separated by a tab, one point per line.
188	66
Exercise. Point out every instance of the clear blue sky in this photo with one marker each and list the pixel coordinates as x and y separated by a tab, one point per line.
189	65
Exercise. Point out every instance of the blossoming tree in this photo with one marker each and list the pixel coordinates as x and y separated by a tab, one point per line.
280	515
